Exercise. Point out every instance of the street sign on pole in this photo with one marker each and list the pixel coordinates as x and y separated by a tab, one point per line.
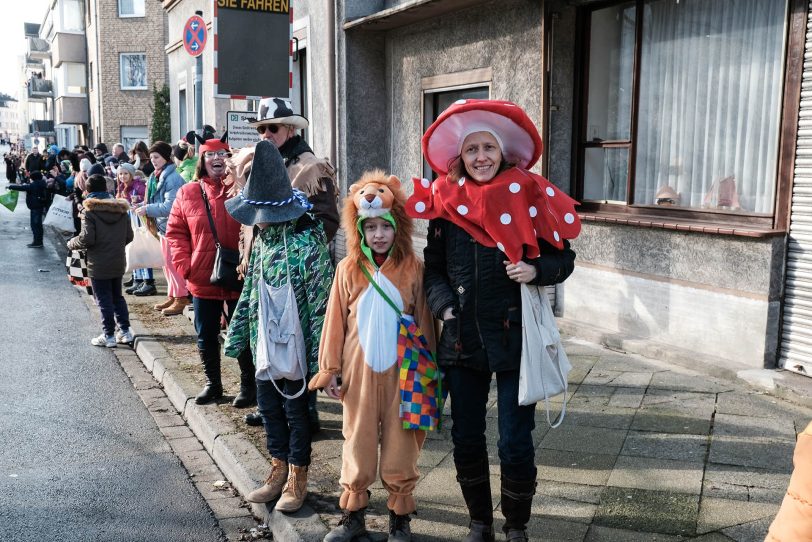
239	133
195	35
253	55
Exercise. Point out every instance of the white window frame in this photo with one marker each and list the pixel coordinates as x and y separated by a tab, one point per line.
132	15
121	71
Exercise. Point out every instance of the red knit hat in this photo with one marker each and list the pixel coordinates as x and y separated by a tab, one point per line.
214	145
516	133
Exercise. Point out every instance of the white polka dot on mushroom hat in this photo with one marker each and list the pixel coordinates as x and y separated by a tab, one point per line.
550	191
556	236
569	218
500	246
515	187
505	218
461	181
462	209
460	102
419	206
425	183
533	211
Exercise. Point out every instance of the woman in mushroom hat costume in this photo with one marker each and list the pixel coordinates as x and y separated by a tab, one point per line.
492	225
290	246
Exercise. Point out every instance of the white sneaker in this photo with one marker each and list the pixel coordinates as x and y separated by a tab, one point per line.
104	340
124	336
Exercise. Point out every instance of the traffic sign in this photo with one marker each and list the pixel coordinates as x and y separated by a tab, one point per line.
194	35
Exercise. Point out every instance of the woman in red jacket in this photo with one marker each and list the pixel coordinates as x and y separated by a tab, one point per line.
189	233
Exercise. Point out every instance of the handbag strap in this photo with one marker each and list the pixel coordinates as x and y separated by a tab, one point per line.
380	291
208	214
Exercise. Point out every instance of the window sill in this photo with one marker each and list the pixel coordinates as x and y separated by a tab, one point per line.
670	223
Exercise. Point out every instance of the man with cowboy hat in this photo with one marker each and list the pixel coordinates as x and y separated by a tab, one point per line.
315	177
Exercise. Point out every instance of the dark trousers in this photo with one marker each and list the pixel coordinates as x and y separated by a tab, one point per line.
37	215
112	305
469	396
287	427
207	321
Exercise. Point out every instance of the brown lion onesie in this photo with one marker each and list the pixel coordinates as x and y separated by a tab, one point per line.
359	343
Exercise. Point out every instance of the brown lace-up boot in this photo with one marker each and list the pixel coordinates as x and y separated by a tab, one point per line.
295	491
176	307
273	485
164	304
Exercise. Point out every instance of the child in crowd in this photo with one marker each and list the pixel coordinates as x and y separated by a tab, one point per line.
105	232
132	187
359	343
36	199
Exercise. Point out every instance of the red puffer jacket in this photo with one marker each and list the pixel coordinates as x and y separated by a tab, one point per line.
189	234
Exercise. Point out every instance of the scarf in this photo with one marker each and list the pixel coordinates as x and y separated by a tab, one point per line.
292	148
511	212
98	195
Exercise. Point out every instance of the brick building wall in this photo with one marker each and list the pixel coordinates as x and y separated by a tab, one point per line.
110	35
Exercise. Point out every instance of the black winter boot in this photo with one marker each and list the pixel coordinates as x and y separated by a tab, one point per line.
211	367
136	284
248	385
517	498
475	483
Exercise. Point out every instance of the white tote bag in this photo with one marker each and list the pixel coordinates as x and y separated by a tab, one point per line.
544	365
60	214
280	342
144	252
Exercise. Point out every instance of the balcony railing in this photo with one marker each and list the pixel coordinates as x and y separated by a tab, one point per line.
40	88
38	48
41	126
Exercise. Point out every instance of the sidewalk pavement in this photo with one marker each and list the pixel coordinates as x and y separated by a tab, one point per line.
648	450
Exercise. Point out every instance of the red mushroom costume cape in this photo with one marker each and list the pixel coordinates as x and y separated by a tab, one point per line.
516	207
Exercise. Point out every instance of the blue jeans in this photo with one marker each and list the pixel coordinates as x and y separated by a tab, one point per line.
207	321
37	216
287	427
112	305
469	396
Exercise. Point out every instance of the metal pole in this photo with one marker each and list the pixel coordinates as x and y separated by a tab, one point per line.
198	91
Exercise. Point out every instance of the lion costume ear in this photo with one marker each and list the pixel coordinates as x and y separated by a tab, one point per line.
394	182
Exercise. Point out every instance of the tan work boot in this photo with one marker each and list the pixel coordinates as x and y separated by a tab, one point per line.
176	307
273	485
295	490
164	304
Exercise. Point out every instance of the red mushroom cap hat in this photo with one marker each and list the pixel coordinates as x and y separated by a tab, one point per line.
516	133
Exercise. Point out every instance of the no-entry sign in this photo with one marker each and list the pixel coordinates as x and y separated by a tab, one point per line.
252	48
194	35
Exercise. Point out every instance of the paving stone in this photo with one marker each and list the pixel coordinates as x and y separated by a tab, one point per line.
719	514
211	492
627	398
160	405
648	511
188	444
176	432
168	420
589	395
597	440
229	508
548	529
598	533
684	401
548	506
235	527
572	492
744	483
618	378
668	421
712	537
440	523
440	486
599	416
657	474
749	426
611	361
433	453
768	454
574	467
757	405
680	447
674	380
755	531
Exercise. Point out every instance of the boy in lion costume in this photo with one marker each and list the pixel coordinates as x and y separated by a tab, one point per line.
359	343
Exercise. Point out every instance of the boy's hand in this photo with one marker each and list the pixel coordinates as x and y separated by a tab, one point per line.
333	389
520	272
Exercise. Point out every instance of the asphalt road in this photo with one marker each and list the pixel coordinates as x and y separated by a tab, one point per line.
80	456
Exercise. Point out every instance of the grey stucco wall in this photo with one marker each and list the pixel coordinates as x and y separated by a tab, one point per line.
474	38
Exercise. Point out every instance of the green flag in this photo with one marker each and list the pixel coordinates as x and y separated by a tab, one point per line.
9	200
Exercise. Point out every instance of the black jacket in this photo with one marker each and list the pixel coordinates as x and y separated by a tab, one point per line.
485	332
34	162
36	193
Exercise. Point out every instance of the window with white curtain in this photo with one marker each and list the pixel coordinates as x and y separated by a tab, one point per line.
70	79
683	104
72	17
130	8
133	71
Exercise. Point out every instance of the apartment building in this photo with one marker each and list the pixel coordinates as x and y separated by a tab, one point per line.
36	99
126	61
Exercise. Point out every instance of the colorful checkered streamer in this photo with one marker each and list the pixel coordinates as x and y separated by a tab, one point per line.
76	264
421	390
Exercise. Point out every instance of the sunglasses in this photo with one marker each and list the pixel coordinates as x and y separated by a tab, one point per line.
218	154
272	127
